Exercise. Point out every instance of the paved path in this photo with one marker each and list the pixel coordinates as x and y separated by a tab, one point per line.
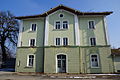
22	76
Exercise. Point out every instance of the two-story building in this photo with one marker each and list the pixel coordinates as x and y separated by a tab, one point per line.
64	40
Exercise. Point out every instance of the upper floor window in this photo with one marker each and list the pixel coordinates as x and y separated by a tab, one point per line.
57	25
93	41
65	24
32	42
61	41
65	41
33	27
57	41
30	61
61	15
91	24
94	61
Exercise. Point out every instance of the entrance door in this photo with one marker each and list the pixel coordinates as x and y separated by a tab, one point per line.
61	63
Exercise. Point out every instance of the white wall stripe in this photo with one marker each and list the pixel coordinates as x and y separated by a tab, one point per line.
77	35
106	32
46	31
20	33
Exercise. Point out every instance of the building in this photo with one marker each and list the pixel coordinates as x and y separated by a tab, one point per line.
64	40
116	59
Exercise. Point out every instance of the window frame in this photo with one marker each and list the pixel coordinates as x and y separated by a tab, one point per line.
60	14
97	61
63	41
55	24
91	41
31	27
93	23
30	42
67	24
56	40
28	60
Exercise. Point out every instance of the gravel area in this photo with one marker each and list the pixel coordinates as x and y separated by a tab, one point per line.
41	76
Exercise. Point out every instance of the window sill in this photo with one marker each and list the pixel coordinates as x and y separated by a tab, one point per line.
60	29
95	67
93	45
29	67
91	29
32	46
60	45
31	31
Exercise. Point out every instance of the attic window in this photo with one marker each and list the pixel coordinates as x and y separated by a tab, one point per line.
61	15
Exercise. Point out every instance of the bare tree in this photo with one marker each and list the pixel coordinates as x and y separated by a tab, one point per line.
9	29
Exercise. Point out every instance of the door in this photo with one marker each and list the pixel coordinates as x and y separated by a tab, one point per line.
61	63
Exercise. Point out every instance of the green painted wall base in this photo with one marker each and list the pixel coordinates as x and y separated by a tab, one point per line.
77	59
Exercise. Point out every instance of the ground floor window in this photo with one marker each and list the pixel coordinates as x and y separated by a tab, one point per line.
94	61
30	61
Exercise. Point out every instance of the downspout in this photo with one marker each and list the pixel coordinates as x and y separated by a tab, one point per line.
113	63
79	60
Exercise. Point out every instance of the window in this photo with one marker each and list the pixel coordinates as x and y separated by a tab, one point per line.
23	29
91	24
57	25
94	61
65	24
30	60
65	41
32	42
18	64
61	15
57	41
92	41
33	27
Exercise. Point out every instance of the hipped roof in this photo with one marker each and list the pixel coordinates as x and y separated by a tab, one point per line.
115	52
64	8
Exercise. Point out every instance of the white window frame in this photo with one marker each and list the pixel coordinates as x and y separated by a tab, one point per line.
91	60
28	60
94	24
30	40
55	24
63	41
55	41
67	22
90	41
18	63
66	61
31	27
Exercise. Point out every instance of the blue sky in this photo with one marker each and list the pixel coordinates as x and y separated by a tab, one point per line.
31	7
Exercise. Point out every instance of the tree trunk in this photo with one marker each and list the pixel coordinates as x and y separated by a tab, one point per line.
4	55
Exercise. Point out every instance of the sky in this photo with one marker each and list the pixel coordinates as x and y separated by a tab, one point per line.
32	7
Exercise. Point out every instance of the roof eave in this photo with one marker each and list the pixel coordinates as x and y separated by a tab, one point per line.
65	8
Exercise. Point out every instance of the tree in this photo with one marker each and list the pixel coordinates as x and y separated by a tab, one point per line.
9	29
